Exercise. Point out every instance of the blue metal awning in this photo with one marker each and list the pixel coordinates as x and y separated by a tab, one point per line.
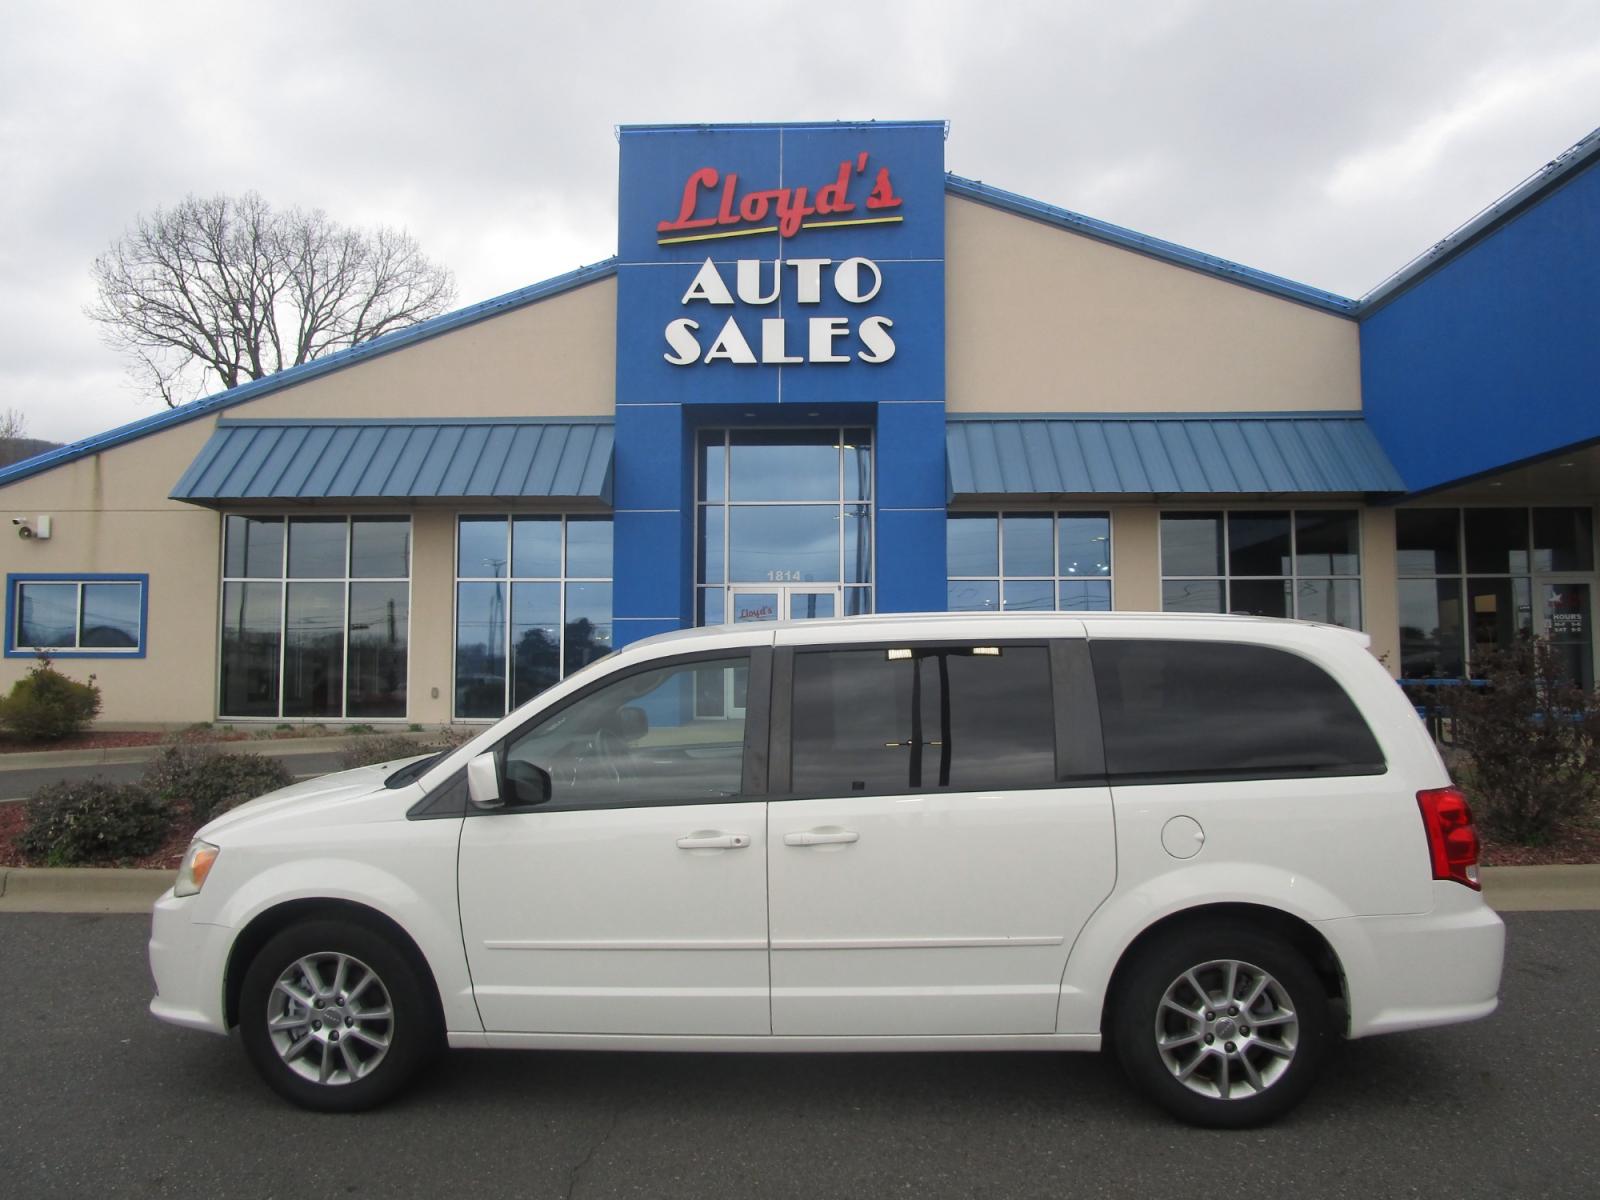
1166	454
494	458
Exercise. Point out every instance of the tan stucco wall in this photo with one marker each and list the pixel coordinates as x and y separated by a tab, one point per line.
1040	318
553	358
1136	559
1380	592
111	513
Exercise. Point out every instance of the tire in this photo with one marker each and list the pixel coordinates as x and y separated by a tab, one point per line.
349	1043
1278	1040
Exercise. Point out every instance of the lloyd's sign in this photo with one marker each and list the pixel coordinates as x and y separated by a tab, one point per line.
714	207
776	264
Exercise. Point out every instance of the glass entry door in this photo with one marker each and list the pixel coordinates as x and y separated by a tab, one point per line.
793	602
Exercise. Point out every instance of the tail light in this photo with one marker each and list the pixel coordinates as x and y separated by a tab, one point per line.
1452	841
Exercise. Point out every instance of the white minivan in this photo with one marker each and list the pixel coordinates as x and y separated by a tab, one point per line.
1215	843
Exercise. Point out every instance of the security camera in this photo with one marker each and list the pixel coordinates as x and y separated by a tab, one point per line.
24	531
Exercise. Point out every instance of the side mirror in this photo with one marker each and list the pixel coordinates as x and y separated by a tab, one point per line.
528	783
483	781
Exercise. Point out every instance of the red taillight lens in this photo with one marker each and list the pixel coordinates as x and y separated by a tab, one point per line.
1452	841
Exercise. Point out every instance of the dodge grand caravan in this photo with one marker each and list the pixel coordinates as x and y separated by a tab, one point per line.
1212	843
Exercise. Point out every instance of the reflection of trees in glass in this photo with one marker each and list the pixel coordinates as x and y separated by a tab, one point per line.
586	642
536	663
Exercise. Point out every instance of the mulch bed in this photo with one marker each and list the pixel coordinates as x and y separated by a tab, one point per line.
1577	844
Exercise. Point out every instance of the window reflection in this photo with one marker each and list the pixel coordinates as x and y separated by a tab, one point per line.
538	609
1028	561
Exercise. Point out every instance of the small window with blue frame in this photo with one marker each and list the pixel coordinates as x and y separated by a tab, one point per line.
76	616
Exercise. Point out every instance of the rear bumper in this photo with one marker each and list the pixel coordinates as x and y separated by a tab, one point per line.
188	961
1411	972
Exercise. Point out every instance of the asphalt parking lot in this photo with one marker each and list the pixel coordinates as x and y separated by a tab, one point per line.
98	1099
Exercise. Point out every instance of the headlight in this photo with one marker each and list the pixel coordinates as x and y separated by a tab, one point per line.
197	865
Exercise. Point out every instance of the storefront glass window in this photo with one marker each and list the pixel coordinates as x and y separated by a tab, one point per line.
789	510
533	603
1028	561
1270	563
1450	618
315	617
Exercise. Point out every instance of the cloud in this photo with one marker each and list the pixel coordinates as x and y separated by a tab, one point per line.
1328	143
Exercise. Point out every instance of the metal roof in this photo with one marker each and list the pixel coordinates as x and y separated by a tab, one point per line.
311	370
420	459
1166	454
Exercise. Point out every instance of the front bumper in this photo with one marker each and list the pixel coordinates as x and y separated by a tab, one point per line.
189	962
1411	972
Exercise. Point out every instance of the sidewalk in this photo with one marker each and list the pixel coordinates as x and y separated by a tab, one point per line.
109	890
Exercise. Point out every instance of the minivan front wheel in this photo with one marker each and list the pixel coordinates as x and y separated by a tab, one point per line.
1224	1027
334	1017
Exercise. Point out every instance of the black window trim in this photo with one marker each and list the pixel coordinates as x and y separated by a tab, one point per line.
1079	749
753	768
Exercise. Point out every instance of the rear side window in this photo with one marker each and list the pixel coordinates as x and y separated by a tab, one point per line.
1217	710
880	721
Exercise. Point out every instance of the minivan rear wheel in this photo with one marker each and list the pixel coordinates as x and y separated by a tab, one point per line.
1223	1026
334	1017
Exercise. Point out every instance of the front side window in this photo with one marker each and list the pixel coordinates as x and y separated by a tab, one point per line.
316	616
1028	561
882	721
1193	711
659	736
1303	563
89	616
533	604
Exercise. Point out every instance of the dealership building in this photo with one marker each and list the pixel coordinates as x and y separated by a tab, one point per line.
822	376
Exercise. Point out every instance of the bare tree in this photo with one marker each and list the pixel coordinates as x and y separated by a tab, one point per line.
12	424
228	286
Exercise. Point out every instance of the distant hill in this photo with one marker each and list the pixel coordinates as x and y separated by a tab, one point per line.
14	450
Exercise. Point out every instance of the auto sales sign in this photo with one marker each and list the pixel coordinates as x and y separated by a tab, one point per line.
781	264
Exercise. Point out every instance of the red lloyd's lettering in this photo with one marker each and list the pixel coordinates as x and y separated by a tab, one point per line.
790	205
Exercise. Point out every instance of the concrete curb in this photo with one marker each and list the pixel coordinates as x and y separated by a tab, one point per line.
1543	889
81	889
31	760
115	890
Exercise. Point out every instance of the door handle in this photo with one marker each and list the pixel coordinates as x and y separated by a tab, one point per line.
714	841
818	838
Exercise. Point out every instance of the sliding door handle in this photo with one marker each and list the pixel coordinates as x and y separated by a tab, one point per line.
821	837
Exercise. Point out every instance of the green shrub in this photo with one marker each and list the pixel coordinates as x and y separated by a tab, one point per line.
1533	740
382	747
211	782
92	821
46	706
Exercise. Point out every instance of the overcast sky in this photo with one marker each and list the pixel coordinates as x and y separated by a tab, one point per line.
1325	142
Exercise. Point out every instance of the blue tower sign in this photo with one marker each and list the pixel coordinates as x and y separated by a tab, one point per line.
778	277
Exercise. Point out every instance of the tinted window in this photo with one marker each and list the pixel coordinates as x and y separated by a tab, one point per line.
866	723
672	734
1202	710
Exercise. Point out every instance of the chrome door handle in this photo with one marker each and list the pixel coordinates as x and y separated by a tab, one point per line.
714	841
817	838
